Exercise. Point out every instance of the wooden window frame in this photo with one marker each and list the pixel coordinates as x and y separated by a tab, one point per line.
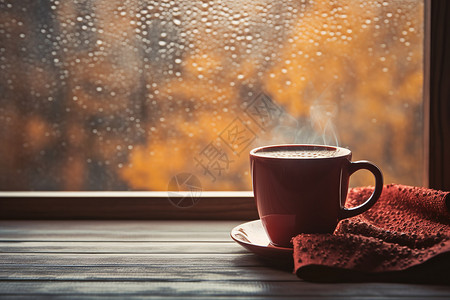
241	205
127	205
437	94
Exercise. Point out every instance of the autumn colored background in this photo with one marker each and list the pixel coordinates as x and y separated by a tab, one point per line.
125	95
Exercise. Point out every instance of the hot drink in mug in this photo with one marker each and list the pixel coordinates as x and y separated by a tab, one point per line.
303	188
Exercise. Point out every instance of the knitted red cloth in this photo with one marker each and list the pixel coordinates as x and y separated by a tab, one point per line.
404	237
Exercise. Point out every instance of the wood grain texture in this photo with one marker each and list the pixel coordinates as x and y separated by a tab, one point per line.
144	273
220	288
157	247
133	260
439	93
118	230
215	297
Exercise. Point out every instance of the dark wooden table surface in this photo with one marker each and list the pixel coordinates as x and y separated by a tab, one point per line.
157	259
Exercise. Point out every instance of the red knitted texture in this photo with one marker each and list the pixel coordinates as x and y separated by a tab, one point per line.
405	236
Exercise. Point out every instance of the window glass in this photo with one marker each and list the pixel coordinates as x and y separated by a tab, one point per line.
143	95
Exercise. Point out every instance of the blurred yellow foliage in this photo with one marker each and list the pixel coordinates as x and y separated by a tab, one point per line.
132	94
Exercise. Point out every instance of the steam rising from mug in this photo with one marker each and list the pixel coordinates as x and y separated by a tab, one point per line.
318	129
322	115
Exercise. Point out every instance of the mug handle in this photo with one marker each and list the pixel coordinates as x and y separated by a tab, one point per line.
355	166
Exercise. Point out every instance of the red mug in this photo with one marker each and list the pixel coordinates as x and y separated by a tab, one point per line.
303	188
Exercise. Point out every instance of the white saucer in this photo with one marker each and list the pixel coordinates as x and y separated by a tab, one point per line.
252	236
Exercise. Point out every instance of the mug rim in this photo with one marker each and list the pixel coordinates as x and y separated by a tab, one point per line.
343	152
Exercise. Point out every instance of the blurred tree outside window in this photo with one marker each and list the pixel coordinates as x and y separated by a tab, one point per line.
134	94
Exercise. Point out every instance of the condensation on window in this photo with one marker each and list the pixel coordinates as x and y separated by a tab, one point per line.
137	95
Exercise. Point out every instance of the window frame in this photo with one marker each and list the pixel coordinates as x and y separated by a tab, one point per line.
241	205
437	93
127	205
